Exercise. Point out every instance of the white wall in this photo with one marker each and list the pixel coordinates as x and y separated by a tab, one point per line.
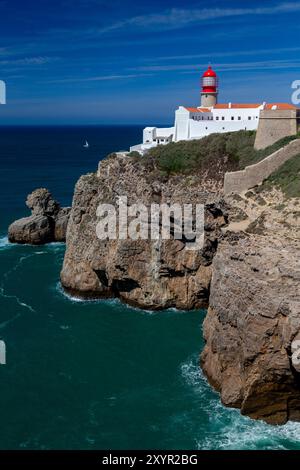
203	128
181	124
149	133
164	131
194	125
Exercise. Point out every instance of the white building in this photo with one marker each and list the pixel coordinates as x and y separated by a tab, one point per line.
195	123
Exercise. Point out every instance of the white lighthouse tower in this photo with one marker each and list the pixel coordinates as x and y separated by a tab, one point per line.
209	92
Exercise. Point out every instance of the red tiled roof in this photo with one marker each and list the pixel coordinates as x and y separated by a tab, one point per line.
281	106
254	105
237	105
241	106
198	110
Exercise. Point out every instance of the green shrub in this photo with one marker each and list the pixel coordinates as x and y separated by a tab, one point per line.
234	150
286	178
134	154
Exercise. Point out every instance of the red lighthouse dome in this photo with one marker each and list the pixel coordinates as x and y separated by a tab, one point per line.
209	81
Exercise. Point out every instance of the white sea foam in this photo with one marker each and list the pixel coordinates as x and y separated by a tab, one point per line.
4	243
62	292
6	275
16	298
53	246
114	301
227	428
20	261
10	320
56	246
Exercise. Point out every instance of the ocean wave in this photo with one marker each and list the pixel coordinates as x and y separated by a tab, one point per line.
114	301
20	262
6	275
55	246
4	243
16	298
62	292
227	428
243	433
10	320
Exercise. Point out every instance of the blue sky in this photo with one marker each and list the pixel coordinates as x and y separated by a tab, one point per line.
96	61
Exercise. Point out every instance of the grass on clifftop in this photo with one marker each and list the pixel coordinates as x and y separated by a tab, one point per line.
232	150
286	178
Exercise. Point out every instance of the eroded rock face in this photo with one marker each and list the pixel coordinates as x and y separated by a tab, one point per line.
150	274
254	313
35	230
61	224
248	269
41	202
47	223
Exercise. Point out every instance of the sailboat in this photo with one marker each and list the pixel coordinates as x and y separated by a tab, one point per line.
86	145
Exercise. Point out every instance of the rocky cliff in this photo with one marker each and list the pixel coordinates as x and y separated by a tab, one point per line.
149	274
254	308
247	274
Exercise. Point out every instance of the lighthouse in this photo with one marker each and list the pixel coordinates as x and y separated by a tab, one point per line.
196	122
209	91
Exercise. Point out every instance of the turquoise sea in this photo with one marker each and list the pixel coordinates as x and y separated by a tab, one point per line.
96	375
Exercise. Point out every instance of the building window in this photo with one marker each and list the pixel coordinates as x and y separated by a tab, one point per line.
249	118
223	118
217	118
232	118
239	118
206	128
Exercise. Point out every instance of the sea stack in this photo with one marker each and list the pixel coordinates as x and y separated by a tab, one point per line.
47	222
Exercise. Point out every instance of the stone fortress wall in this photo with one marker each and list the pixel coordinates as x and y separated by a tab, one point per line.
239	181
274	124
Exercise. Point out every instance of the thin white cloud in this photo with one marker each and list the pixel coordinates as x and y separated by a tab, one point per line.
212	55
99	78
266	64
40	60
178	18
